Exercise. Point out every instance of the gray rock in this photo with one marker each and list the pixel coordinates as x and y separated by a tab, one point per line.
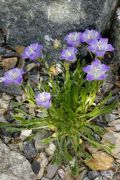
86	178
56	177
28	21
11	89
107	174
115	125
2	37
110	117
99	178
6	52
45	178
82	174
4	103
2	119
115	33
113	138
43	163
108	84
13	165
51	170
93	174
29	150
35	167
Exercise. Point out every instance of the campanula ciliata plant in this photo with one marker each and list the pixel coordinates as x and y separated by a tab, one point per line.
67	97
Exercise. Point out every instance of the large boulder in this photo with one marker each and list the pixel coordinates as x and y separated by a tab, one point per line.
115	34
26	21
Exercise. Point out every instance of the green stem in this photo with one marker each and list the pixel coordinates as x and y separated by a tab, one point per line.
67	75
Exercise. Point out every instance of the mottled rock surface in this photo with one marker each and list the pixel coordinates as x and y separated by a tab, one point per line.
26	21
14	166
115	33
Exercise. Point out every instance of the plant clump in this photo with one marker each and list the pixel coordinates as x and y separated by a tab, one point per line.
67	97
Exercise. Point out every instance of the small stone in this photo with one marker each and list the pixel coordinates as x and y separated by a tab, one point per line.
2	119
82	175
57	177
61	173
113	138
29	150
107	87
9	63
93	174
4	103
100	161
115	124
86	178
110	117
2	37
43	163
107	174
68	176
21	146
25	133
7	52
11	89
50	150
51	170
35	167
44	178
99	178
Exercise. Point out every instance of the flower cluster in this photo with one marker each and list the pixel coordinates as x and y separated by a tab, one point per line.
96	44
96	71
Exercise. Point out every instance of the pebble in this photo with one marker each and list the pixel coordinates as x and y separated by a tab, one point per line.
93	174
115	125
43	163
2	119
44	178
25	133
61	173
110	117
29	150
9	63
50	149
99	178
86	178
35	167
51	170
107	174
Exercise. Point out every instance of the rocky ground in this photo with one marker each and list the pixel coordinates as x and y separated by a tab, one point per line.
31	160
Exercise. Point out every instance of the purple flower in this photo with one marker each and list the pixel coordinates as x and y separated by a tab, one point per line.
69	54
96	71
100	47
13	76
43	99
89	35
32	52
73	38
